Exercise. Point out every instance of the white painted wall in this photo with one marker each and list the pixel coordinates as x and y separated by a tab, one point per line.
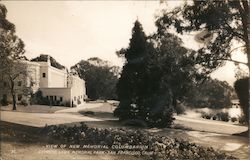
78	91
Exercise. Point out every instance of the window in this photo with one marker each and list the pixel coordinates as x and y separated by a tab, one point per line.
55	98
61	99
75	98
19	97
44	75
19	83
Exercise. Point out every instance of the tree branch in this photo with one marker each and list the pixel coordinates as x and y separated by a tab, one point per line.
231	60
236	48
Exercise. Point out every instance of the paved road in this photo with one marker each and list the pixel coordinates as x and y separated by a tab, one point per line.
208	125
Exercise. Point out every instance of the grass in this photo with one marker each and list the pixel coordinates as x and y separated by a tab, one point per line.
33	108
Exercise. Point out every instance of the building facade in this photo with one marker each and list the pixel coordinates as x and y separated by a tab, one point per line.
56	85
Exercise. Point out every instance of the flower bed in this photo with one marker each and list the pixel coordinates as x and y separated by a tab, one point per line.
118	140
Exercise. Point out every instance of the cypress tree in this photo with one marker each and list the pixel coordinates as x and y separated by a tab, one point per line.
133	82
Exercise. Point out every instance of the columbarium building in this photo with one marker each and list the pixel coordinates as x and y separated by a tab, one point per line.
56	85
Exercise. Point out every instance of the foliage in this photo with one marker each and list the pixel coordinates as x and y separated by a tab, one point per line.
179	108
241	88
11	52
234	119
225	28
158	72
44	58
224	23
211	93
4	102
220	116
38	98
100	77
162	147
138	95
242	119
223	116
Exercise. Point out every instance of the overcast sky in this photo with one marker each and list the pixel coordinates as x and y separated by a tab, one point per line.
74	30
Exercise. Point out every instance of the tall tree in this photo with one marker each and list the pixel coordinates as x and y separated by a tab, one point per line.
131	84
227	22
100	77
172	73
212	93
158	72
11	52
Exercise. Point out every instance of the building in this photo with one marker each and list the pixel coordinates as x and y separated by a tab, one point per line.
56	85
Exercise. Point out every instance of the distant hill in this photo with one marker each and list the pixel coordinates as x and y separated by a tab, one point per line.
44	58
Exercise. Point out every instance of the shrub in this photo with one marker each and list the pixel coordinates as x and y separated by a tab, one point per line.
162	147
179	109
241	88
214	117
242	119
24	102
4	102
223	116
67	104
206	115
78	101
38	98
233	119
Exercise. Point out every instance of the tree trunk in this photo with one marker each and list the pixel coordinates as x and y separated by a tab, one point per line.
246	34
14	101
247	5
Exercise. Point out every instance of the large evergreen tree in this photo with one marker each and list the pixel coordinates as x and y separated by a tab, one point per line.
132	83
158	72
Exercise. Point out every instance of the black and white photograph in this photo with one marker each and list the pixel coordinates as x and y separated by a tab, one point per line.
124	79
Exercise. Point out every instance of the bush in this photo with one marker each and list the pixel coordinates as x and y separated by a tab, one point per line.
206	115
233	119
223	116
78	101
214	117
179	109
24	102
242	119
4	102
162	147
241	88
38	98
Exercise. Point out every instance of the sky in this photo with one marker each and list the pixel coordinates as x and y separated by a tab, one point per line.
71	31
